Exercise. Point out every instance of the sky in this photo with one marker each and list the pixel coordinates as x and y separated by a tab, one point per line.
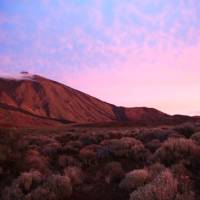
129	53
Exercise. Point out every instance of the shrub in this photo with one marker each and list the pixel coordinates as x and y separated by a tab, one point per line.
70	149
186	129
88	154
163	187
146	135
134	179
65	160
155	170
22	185
153	145
5	152
28	179
75	174
76	144
14	195
104	153
176	135
51	149
185	183
196	137
175	150
34	160
88	139
184	196
113	172
38	140
60	186
41	193
121	147
140	155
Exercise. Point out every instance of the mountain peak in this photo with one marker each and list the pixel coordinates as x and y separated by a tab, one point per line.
18	76
46	99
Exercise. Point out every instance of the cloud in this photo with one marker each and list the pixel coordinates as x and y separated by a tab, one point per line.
120	51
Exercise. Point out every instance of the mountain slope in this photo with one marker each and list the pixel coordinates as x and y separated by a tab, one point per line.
48	99
14	117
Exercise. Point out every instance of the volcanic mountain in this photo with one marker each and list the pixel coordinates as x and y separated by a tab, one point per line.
29	99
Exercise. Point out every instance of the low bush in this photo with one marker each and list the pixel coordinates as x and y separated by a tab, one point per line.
34	160
113	172
186	129
175	150
163	187
60	186
134	179
22	185
153	145
75	174
196	137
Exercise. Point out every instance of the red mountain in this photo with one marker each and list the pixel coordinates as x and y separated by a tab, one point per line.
34	100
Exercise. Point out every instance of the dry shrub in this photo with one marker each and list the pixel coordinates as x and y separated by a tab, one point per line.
28	179
60	186
66	137
16	193
39	140
34	160
163	187
22	185
146	135
185	183
5	153
30	186
70	149
114	134
140	154
88	139
175	135
113	172
104	153
186	196
129	142
76	144
196	137
134	179
186	129
65	160
175	150
51	149
121	147
9	136
155	170
89	154
41	193
75	174
153	145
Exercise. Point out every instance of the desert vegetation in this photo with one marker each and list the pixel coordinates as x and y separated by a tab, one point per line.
155	163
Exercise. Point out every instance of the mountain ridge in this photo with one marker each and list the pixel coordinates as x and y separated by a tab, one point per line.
48	99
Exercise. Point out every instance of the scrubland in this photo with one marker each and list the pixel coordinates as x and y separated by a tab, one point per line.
119	163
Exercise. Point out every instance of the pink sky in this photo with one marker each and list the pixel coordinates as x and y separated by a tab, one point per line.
164	79
129	53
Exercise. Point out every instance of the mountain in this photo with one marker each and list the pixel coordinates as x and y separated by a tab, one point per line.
35	100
